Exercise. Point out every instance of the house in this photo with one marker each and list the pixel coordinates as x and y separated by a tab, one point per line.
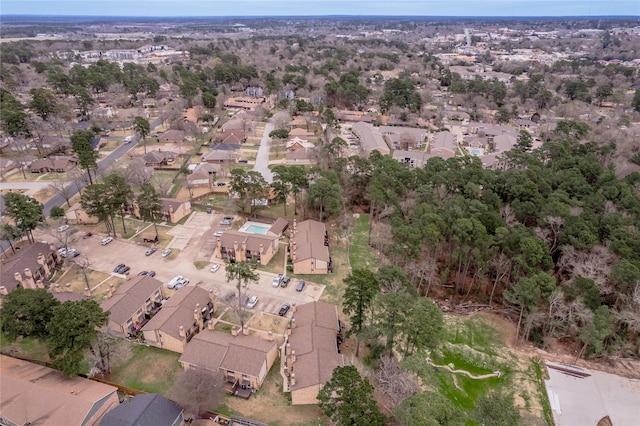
76	215
300	133
180	318
144	409
204	175
240	246
490	130
55	164
173	210
222	153
31	394
504	142
370	139
172	136
6	165
133	304
306	155
355	116
245	103
413	159
30	267
233	136
298	122
402	137
312	350
244	360
443	145
297	143
159	158
309	248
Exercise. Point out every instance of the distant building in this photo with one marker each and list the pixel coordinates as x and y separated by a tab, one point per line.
30	267
174	210
309	248
370	139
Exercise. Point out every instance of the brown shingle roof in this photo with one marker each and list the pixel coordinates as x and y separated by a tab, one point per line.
253	241
41	395
25	258
314	340
309	240
129	297
279	226
178	311
214	349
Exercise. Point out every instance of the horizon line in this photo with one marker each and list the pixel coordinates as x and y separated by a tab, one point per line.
316	16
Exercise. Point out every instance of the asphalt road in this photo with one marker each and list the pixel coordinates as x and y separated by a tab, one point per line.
262	159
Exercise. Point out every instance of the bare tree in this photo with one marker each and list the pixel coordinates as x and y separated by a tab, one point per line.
197	390
83	263
162	183
63	188
394	381
102	348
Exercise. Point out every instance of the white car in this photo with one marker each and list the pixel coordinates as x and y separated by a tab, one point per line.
165	253
215	267
276	281
106	241
253	301
128	139
218	234
63	228
177	282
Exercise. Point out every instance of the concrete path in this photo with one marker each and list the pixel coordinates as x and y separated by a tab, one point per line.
262	159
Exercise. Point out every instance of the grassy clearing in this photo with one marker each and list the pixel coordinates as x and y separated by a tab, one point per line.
75	277
28	348
474	345
149	369
361	256
276	265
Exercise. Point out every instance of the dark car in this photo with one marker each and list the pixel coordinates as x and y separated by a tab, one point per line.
87	235
143	273
285	281
300	285
151	273
284	309
118	268
125	270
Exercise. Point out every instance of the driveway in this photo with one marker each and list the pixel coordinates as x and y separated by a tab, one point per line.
262	159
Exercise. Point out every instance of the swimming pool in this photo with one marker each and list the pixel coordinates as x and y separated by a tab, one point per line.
476	151
255	228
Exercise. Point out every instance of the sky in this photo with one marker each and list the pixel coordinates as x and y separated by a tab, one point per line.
176	8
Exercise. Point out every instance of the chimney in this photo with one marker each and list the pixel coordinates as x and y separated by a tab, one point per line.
234	331
270	336
87	292
110	291
183	335
196	312
39	284
18	278
245	330
293	323
198	317
287	349
292	379
293	357
210	325
289	330
3	291
67	288
57	288
293	256
235	248
42	261
28	279
293	308
261	248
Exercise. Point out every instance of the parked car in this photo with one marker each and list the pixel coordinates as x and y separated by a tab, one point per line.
218	234
151	273
62	251
300	285
125	270
225	222
209	210
285	281
150	251
106	241
276	281
87	235
214	267
118	268
177	282
143	273
63	228
128	139
221	183
229	218
71	253
166	252
253	301
284	309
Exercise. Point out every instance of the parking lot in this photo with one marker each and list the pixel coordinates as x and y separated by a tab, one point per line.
188	245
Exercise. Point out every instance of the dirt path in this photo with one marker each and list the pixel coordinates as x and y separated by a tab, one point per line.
465	372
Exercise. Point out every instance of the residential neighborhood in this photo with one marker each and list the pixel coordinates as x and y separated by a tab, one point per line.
254	221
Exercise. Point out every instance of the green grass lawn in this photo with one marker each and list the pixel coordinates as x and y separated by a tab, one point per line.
149	369
361	256
27	348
